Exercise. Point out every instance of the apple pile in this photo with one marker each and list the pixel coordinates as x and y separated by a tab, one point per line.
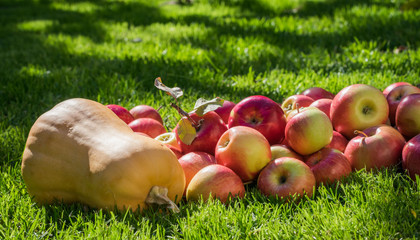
287	148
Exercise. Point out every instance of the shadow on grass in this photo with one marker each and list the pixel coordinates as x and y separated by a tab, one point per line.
63	74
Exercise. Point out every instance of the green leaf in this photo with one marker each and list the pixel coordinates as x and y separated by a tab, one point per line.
202	106
186	131
175	92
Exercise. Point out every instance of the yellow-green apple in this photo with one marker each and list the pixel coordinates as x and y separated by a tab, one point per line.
375	147
224	110
286	177
215	181
357	107
396	95
338	142
296	101
262	114
244	150
317	93
211	127
323	104
149	126
168	138
193	162
309	131
411	157
121	112
291	113
408	115
281	150
145	111
328	165
392	86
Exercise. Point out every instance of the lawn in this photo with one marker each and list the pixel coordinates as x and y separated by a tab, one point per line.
111	52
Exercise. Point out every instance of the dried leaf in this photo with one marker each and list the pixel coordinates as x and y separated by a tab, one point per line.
400	49
175	92
414	213
203	106
186	131
410	5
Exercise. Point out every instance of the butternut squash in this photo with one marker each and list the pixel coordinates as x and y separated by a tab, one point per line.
80	151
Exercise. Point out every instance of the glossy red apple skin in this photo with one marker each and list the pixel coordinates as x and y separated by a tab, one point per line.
175	150
286	177
209	132
216	181
145	111
244	150
411	157
323	104
148	126
193	162
329	165
224	111
262	114
317	93
121	112
295	101
309	131
396	95
281	150
338	142
392	86
382	148
408	115
357	107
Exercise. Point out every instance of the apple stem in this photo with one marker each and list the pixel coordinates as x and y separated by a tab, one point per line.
159	196
185	114
357	132
297	107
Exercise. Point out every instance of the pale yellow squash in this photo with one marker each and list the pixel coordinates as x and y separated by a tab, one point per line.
80	151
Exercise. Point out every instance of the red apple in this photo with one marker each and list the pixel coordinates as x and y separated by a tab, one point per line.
338	142
262	114
296	101
121	112
323	104
408	115
148	126
208	133
244	150
224	111
328	165
317	93
411	157
309	131
193	162
143	134
358	107
286	177
392	86
396	95
168	138
281	150
145	111
175	150
216	181
375	147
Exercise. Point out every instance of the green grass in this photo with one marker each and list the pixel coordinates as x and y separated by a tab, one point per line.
111	51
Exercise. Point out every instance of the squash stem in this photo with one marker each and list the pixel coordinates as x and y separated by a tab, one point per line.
159	195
